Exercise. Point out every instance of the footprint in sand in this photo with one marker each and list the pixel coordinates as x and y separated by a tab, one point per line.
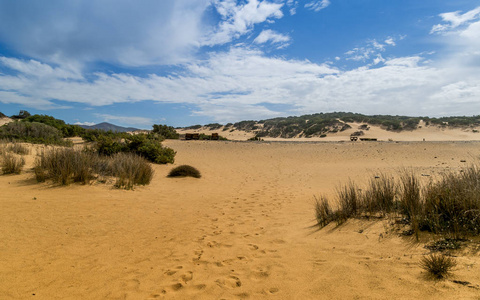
230	282
187	277
272	291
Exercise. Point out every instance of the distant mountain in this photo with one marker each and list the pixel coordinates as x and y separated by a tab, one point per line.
107	126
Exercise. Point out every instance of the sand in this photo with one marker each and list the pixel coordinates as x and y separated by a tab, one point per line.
246	229
429	133
4	121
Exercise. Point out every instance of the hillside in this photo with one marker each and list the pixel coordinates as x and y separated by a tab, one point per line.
107	126
325	124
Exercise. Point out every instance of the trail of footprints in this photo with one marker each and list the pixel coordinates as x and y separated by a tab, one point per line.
220	233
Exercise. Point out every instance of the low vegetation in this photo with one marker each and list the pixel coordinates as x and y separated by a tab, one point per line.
438	266
449	207
67	165
12	164
17	148
36	133
146	145
185	171
167	132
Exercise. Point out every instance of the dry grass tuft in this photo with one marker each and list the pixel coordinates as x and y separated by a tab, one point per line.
438	266
12	164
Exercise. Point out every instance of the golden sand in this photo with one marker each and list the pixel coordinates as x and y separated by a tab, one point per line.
246	229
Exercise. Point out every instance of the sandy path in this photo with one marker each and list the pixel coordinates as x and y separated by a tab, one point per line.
244	230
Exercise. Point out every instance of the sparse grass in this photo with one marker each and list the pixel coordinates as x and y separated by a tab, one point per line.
379	196
18	148
438	266
449	206
130	169
323	212
184	171
12	164
452	205
65	165
349	199
410	200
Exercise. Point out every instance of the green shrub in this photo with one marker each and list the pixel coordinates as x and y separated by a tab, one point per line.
36	133
108	146
67	130
168	132
438	266
184	171
12	164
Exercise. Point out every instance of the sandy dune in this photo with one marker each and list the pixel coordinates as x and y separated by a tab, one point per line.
244	230
4	121
429	133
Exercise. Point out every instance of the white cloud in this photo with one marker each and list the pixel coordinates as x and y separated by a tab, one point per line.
293	6
246	84
272	37
317	5
85	123
121	32
452	20
240	19
390	41
371	49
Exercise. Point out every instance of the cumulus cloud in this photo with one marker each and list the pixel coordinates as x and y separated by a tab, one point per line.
238	20
115	31
317	5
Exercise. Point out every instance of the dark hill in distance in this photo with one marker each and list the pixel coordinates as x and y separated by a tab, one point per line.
107	126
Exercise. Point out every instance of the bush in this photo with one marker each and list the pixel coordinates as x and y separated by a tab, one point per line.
36	133
151	149
67	130
184	171
12	164
65	165
168	132
108	146
130	169
438	266
21	115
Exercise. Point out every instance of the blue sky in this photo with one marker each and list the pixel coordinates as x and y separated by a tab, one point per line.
185	62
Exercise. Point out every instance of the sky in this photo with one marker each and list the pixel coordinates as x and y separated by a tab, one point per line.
186	62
